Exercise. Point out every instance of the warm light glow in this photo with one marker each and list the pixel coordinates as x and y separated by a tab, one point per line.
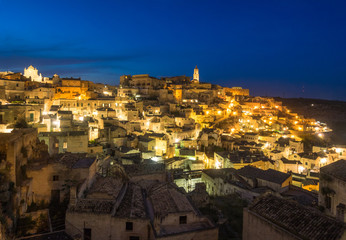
7	130
266	145
320	135
176	140
217	164
338	150
301	169
81	118
323	160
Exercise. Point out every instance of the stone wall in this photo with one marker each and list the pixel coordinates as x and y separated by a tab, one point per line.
256	227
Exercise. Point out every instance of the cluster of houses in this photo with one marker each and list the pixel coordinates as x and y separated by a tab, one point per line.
136	161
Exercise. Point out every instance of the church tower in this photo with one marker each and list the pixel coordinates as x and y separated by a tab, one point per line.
195	75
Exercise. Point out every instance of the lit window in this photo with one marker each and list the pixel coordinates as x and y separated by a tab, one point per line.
65	145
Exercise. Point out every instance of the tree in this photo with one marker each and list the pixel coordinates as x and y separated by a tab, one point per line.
21	123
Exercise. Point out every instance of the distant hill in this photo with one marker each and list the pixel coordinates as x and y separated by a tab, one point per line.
331	112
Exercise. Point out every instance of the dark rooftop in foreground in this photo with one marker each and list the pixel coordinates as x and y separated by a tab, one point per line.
303	222
336	169
268	175
59	235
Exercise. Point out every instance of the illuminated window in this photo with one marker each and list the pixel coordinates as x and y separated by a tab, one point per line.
65	145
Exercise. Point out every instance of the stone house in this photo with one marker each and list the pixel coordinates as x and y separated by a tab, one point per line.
14	89
265	178
146	144
332	191
271	218
51	181
12	112
285	165
113	208
114	135
60	142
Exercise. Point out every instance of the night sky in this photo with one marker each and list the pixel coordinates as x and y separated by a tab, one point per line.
275	48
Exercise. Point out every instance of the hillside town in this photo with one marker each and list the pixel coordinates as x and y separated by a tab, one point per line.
162	158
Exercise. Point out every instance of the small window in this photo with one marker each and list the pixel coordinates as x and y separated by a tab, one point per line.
133	238
56	178
65	145
56	145
328	201
87	234
182	219
129	226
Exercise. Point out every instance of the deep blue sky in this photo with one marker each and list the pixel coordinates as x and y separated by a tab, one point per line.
275	48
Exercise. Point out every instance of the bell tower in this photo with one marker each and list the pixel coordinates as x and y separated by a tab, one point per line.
195	75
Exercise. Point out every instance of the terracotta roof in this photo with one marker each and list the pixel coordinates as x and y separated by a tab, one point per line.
303	222
92	205
110	186
166	199
132	205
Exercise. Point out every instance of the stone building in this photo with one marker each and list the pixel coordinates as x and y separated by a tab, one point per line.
13	90
70	141
51	180
271	218
332	192
265	178
38	94
10	113
142	81
32	73
113	208
74	89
